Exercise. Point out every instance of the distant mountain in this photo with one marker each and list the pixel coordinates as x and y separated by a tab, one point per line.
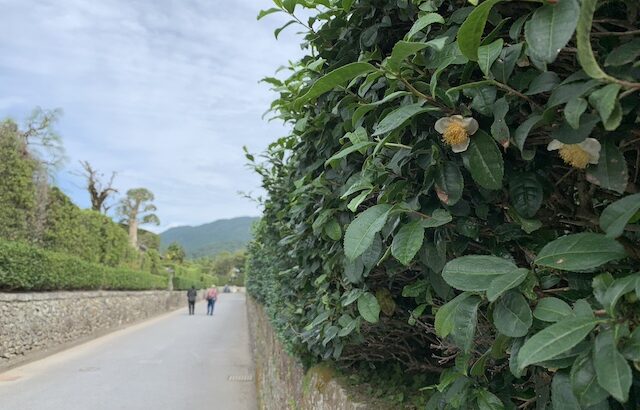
212	238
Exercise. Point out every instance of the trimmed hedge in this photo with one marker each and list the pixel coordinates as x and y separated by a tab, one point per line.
28	268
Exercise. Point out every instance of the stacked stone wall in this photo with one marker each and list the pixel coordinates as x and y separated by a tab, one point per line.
282	381
35	324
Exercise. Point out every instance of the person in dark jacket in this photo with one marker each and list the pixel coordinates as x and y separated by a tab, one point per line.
191	297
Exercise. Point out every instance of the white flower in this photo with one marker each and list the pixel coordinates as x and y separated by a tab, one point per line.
456	130
578	155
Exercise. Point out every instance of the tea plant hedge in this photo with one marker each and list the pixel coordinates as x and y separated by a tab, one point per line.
458	198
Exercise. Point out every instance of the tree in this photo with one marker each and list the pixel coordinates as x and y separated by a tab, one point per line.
17	187
175	252
98	191
136	209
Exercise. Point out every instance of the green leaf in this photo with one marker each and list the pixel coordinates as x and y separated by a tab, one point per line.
567	134
544	82
526	194
264	13
449	183
584	382
503	283
554	340
277	31
522	132
364	109
358	200
407	242
439	217
604	100
550	29
579	252
360	233
551	309
475	272
562	396
512	315
484	161
348	150
465	320
631	348
617	289
402	50
615	217
503	66
611	172
574	110
399	116
488	401
624	54
583	32
444	316
333	230
499	128
470	33
337	77
423	22
488	54
369	308
612	370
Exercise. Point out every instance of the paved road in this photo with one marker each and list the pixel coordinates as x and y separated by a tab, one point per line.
173	362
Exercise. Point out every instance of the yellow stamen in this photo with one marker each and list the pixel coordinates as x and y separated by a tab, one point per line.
455	134
574	155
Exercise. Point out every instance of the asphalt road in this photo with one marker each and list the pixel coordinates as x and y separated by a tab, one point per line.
172	362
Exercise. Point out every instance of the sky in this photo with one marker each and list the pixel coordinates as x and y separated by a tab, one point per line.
163	92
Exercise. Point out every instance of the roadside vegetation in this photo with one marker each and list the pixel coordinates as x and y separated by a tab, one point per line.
49	243
453	218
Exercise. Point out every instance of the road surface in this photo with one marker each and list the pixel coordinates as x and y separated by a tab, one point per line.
172	362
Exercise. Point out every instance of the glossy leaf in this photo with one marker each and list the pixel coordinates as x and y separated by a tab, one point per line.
449	183
488	54
399	116
407	242
504	282
360	233
552	309
475	272
422	23
526	194
470	33
369	308
550	29
611	172
512	315
612	370
584	382
484	161
554	340
615	217
337	77
604	100
562	397
579	252
583	38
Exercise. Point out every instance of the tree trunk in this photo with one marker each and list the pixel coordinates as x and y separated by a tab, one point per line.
133	232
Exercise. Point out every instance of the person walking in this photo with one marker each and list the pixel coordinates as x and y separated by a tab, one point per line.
212	296
192	294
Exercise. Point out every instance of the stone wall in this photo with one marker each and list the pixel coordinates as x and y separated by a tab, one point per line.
34	324
282	381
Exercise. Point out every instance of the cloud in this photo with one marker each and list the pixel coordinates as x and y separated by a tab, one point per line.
165	93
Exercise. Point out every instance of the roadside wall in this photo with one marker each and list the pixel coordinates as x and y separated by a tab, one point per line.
281	380
34	324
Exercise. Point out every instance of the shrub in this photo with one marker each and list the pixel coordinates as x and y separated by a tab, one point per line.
27	268
458	196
